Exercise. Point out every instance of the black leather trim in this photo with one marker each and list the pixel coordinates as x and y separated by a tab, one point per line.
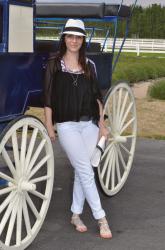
112	10
93	10
70	10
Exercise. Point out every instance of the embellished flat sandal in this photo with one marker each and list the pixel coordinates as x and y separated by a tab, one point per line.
105	231
78	223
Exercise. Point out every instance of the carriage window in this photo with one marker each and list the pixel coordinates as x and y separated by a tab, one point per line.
1	23
20	29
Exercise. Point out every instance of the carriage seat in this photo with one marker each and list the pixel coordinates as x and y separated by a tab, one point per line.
103	62
83	10
48	46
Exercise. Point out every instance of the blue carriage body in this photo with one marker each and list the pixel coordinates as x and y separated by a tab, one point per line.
22	74
20	83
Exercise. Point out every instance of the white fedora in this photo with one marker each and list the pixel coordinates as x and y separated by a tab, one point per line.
74	27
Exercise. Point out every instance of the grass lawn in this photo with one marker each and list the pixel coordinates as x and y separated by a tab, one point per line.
134	68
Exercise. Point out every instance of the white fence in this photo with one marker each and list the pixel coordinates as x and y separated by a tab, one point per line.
131	45
137	45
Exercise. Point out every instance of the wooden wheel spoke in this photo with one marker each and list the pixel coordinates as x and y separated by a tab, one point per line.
121	157
106	150
39	165
127	125
11	223
26	217
16	152
38	194
7	178
19	222
114	109
7	215
119	106
123	106
125	149
36	154
126	114
32	206
110	119
31	147
23	146
39	179
130	136
109	171
113	171
6	202
9	162
106	163
6	190
117	166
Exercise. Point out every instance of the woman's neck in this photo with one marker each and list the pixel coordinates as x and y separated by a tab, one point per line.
71	60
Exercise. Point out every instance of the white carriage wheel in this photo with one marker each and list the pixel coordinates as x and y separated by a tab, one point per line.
27	169
120	119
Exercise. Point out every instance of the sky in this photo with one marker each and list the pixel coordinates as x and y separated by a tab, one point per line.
139	2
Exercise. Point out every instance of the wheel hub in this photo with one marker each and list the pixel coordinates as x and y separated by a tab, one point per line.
23	186
119	139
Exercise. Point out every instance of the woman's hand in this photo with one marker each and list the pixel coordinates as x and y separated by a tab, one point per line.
48	123
51	132
103	131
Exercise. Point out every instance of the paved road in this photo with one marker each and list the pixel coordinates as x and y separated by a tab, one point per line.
136	214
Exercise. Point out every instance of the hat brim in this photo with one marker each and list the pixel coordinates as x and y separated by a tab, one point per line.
75	33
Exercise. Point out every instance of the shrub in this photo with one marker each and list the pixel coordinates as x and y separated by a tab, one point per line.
157	90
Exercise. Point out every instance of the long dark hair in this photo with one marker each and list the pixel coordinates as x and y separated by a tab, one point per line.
82	55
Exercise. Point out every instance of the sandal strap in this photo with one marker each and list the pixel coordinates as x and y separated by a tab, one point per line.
77	221
104	227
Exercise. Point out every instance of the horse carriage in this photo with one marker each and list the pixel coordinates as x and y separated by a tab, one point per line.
26	153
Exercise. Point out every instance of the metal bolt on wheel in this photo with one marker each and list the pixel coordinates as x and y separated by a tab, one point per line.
116	162
26	181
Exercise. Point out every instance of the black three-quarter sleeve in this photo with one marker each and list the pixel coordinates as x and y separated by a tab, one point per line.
48	82
95	83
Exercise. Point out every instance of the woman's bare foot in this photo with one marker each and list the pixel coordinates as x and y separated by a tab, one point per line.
78	223
105	231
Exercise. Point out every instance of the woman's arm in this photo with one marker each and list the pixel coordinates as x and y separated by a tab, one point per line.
48	123
103	130
48	99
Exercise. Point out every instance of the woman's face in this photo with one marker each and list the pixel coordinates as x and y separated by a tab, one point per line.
73	43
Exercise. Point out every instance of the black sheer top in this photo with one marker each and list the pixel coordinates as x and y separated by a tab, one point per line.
68	100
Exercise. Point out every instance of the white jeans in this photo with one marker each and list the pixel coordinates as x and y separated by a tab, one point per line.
78	140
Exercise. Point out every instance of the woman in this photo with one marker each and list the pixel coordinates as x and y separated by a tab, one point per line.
73	102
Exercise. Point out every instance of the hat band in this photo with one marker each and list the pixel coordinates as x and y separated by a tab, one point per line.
74	29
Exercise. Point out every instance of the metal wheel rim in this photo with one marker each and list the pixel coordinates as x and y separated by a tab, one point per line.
23	183
110	178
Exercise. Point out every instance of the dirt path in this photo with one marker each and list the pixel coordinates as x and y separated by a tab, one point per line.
150	112
140	89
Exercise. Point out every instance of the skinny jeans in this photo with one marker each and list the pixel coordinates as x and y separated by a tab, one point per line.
78	139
